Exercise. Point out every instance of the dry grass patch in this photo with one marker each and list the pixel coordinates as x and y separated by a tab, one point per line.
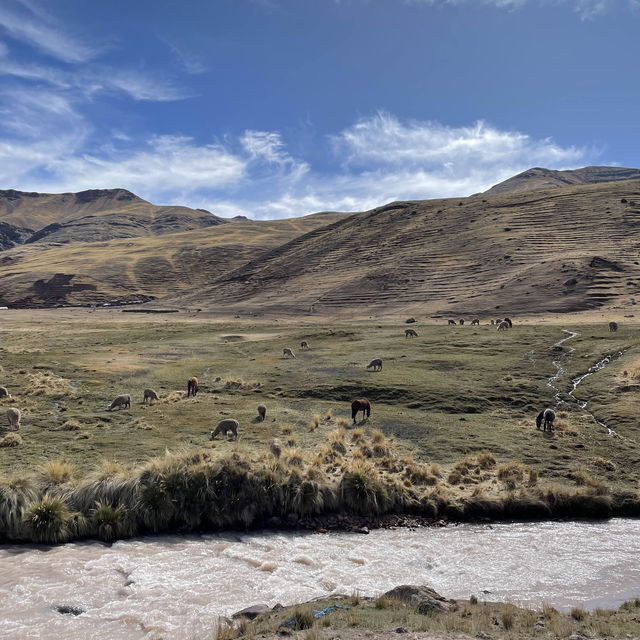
46	383
57	472
11	440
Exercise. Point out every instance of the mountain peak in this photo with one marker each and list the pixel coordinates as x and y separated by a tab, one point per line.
541	178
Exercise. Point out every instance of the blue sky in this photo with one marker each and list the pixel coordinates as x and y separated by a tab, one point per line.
279	108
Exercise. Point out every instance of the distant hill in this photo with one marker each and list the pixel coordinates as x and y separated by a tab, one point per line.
139	268
539	178
90	216
552	250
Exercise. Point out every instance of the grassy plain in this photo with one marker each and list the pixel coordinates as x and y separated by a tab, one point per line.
440	400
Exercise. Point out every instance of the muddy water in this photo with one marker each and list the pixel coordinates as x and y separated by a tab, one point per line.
176	587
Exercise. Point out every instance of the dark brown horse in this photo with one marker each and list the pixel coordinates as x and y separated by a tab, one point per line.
361	404
192	387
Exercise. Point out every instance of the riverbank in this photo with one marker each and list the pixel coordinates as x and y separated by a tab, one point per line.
419	613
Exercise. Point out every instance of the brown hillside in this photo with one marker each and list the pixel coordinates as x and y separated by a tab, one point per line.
45	274
539	178
89	216
560	249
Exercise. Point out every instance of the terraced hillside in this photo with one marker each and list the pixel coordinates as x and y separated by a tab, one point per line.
138	268
554	250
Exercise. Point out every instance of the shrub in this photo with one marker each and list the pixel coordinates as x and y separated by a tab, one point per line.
47	521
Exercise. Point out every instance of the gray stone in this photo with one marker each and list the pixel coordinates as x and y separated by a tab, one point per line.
252	612
424	599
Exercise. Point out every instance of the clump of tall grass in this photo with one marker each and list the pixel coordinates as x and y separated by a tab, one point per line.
109	522
362	491
56	472
357	436
316	420
511	474
486	460
603	464
582	478
12	439
329	415
287	430
294	457
48	520
71	425
342	422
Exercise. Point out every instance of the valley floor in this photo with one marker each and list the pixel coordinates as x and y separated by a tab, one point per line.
452	422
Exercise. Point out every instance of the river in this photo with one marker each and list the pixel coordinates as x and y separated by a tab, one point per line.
177	586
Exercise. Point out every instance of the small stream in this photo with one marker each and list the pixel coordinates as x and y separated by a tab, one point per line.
563	397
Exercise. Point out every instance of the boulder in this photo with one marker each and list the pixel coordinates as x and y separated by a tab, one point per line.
252	612
410	320
424	599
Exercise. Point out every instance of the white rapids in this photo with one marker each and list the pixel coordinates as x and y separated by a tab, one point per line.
178	586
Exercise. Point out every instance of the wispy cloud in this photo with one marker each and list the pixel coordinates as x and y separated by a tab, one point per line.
42	31
375	160
189	61
587	9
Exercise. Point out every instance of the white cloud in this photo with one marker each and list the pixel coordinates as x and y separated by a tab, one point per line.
375	160
585	8
37	29
164	167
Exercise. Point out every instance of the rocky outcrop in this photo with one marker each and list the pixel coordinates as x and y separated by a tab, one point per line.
424	599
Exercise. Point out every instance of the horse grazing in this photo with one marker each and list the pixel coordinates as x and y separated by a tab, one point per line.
503	326
304	344
375	364
453	322
361	404
613	326
192	386
548	416
410	333
226	425
476	322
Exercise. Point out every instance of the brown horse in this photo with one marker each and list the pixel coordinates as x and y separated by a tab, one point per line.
192	387
361	404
